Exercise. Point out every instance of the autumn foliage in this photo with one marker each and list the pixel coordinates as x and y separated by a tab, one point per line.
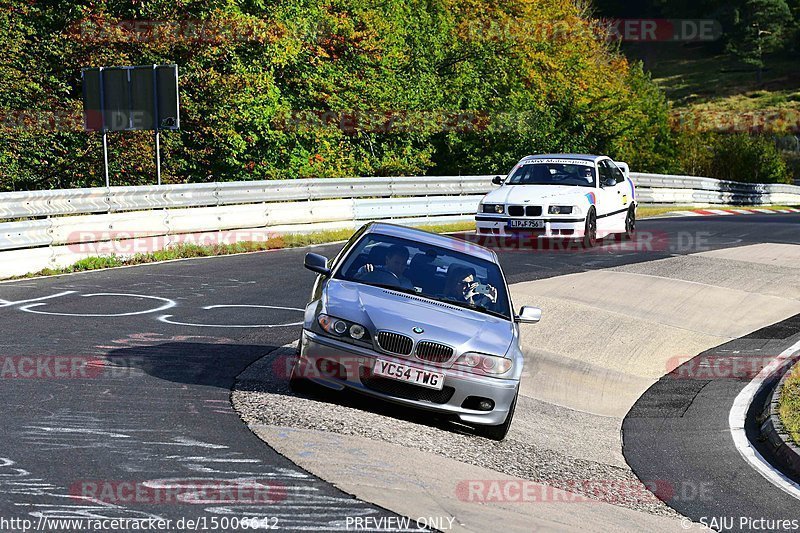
299	88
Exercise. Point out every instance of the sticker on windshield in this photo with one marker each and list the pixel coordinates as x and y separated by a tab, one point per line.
558	162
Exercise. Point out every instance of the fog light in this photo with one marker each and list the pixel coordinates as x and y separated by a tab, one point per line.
478	403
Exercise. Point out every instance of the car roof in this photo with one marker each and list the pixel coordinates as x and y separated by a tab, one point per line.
577	157
433	239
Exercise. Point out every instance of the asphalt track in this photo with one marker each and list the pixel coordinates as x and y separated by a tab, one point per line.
160	346
678	431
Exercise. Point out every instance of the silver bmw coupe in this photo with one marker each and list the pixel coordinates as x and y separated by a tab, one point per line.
418	319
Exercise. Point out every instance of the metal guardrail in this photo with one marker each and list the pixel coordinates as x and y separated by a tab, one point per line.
60	217
115	199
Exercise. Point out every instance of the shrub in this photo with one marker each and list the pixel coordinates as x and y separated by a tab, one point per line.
735	157
750	159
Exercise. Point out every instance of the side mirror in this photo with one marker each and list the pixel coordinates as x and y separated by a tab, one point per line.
626	170
497	180
317	263
608	182
528	315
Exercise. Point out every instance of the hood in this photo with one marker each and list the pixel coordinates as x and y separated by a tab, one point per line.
536	194
383	309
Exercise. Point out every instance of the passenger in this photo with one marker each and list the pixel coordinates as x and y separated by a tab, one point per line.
462	285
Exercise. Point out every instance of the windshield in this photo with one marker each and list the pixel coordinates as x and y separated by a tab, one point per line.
573	173
428	271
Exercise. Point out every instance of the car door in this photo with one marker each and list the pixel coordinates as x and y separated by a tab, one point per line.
624	185
607	200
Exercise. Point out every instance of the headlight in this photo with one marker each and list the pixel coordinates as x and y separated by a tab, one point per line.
357	331
342	328
498	209
489	364
560	209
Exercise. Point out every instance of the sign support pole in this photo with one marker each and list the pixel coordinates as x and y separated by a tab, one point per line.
158	155
105	155
105	129
157	124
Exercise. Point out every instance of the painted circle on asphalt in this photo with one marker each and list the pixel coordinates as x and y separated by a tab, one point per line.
167	319
167	303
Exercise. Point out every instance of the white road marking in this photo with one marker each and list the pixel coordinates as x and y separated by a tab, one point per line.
82	430
736	422
167	318
214	459
257	306
167	305
183	441
6	303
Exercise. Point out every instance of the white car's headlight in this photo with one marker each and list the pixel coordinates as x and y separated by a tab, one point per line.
489	364
560	209
498	209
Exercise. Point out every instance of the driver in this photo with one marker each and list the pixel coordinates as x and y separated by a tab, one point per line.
461	284
395	262
588	175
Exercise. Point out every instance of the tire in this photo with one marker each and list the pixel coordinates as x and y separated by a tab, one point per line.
590	230
500	431
298	384
630	223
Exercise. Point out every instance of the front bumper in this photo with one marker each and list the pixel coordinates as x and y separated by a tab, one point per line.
336	364
566	227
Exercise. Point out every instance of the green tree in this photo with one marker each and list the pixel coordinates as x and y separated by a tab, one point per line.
300	88
761	27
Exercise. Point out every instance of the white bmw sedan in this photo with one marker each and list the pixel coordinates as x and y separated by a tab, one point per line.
561	196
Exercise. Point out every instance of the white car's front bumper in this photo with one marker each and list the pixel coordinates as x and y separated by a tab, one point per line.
566	227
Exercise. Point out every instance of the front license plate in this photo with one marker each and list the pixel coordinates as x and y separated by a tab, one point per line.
423	378
526	224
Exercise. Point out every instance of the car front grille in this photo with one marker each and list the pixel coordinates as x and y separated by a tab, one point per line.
434	352
395	343
407	391
528	210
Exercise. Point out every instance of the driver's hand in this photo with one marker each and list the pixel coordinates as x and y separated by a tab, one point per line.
492	294
367	268
470	293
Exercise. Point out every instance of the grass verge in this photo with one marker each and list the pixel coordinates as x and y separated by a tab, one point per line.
789	406
186	251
